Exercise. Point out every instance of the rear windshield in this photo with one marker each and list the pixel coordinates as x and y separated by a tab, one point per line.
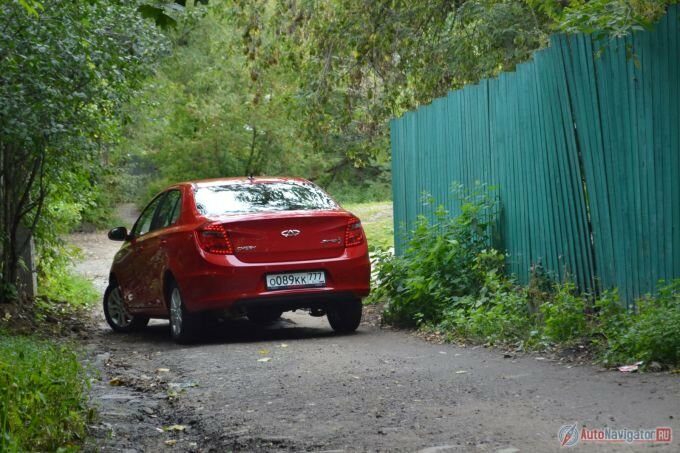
260	197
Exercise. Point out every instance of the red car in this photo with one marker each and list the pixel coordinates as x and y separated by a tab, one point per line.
246	246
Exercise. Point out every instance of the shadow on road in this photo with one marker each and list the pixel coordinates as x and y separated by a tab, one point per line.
225	332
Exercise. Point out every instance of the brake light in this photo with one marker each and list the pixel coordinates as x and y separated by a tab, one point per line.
354	235
214	239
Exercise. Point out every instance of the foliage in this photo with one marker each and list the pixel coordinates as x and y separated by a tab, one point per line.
499	315
564	314
225	120
43	394
60	283
649	333
444	262
362	62
65	70
307	88
603	17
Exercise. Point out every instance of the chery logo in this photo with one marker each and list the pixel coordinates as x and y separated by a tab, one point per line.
290	233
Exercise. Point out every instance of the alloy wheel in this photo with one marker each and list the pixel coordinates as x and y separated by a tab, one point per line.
117	311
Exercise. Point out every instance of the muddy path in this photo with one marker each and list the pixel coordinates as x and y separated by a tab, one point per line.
376	390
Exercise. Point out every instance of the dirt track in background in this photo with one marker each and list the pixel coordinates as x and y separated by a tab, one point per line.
376	390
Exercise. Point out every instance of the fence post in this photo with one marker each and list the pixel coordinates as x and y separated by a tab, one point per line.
28	274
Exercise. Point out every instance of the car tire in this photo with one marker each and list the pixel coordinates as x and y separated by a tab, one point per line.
117	315
345	316
264	317
184	325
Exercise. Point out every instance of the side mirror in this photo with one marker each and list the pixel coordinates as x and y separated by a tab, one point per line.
118	234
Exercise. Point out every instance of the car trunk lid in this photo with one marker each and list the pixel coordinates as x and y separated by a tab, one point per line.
288	236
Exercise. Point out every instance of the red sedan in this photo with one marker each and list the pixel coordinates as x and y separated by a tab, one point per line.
246	246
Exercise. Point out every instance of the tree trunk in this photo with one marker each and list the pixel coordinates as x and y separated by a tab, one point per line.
21	172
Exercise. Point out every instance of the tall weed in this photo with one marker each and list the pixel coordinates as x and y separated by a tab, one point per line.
42	396
443	262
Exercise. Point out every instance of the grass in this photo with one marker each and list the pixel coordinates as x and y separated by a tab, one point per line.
42	396
59	281
43	386
68	286
376	218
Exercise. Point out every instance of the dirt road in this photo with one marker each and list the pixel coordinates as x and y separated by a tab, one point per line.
376	390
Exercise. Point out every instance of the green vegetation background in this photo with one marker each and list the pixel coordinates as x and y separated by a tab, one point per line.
98	106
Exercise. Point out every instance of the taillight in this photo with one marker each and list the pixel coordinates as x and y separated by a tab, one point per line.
354	235
214	239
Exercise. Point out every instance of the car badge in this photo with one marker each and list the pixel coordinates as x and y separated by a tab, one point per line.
290	233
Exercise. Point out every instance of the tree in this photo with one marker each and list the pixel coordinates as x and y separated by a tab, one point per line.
65	70
206	113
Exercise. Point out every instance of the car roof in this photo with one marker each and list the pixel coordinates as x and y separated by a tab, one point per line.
242	180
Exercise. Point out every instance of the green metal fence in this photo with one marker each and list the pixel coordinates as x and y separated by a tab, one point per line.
583	143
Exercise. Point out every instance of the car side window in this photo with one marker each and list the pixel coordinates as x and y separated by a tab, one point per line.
143	224
168	211
177	210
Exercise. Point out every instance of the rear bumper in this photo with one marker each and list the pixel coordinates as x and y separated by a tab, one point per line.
225	282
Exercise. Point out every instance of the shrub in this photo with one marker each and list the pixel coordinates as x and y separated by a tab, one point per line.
500	314
563	315
444	262
649	333
42	396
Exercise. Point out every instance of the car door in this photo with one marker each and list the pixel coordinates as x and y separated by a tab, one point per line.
133	272
166	215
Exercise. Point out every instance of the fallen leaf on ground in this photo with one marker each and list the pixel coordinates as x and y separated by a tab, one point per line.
461	372
283	345
170	442
264	359
263	351
162	370
175	428
116	382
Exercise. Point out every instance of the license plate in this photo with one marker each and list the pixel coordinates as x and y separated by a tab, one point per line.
289	280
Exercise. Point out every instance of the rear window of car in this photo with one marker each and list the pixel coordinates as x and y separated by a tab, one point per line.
237	198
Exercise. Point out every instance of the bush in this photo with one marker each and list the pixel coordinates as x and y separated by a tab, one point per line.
649	333
444	262
563	315
43	391
499	315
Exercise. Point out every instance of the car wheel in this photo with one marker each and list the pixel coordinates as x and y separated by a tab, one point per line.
264	316
117	315
183	325
345	317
